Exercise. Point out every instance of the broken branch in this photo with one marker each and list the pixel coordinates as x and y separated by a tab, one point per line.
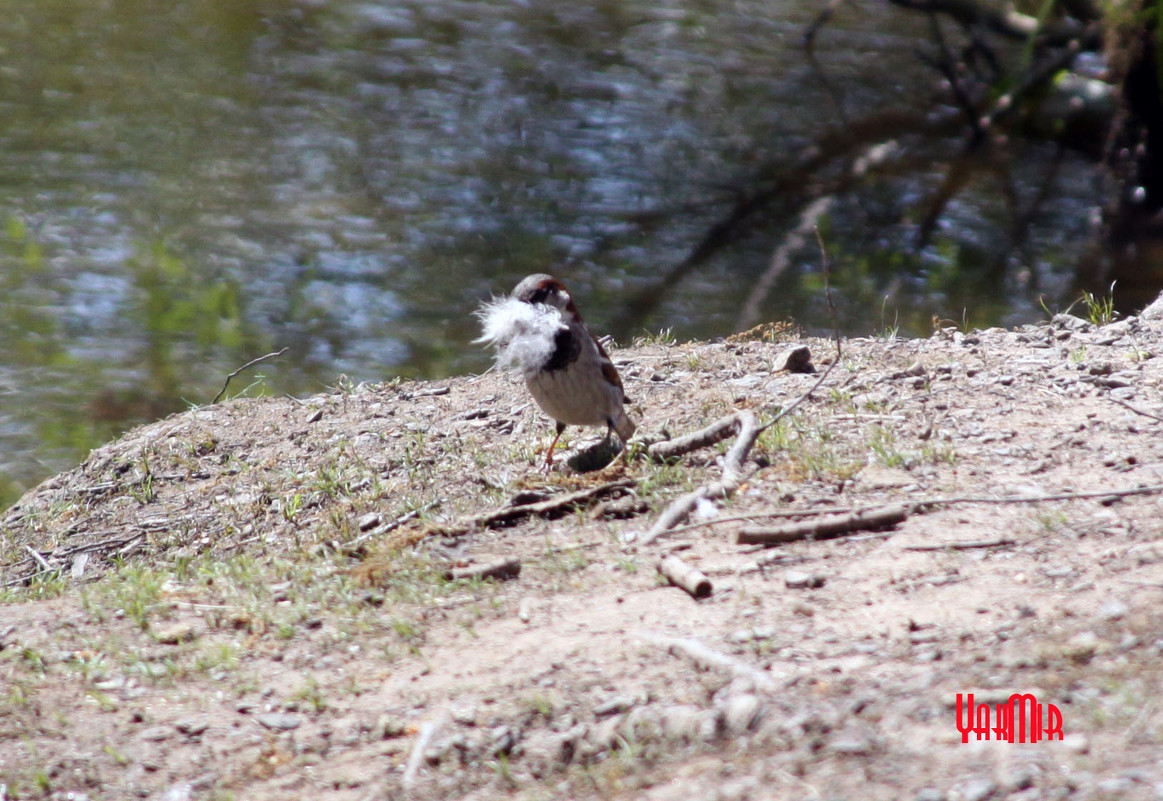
685	576
749	430
246	366
501	570
716	432
508	515
962	546
825	528
708	658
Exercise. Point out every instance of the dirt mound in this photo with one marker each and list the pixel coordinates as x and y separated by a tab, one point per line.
282	598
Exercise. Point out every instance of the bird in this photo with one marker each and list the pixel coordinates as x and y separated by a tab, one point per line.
538	330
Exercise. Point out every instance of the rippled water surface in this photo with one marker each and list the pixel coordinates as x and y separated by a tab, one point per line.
185	186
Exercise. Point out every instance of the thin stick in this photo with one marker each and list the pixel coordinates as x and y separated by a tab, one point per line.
716	432
962	546
824	528
352	544
427	732
723	488
508	515
706	658
249	364
502	570
1126	405
40	560
1153	489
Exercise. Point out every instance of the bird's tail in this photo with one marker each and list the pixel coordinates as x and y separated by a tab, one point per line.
622	423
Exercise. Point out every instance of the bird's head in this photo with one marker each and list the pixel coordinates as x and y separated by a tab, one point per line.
547	290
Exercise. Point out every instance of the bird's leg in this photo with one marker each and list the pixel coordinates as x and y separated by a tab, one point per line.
552	445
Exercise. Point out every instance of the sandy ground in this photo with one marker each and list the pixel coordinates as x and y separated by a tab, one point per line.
251	600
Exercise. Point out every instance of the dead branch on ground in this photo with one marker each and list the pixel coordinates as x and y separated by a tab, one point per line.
748	429
501	570
963	546
825	528
685	576
508	515
707	658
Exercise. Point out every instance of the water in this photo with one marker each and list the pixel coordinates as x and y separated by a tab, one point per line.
186	186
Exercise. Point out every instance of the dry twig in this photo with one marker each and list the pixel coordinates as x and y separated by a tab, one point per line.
246	366
1126	405
685	576
507	515
713	434
962	546
416	758
501	570
824	528
708	658
749	431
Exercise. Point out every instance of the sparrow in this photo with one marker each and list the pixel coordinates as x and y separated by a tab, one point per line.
538	330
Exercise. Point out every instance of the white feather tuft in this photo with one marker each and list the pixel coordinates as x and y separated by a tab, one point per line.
523	333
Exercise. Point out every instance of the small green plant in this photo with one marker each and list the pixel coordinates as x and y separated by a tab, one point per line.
311	693
143	491
538	706
221	656
663	337
291	506
1100	310
627	565
883	443
133	591
888	331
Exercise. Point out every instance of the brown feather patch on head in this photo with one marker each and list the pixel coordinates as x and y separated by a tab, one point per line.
543	288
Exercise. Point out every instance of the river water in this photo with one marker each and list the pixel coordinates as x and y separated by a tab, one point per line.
186	186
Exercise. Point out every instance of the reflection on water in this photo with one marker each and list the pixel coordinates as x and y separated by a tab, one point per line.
188	185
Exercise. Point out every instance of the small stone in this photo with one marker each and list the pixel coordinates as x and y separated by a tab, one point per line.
1113	609
388	727
465	714
191	727
1070	323
798	580
743	713
616	705
368	521
502	739
1082	647
178	792
279	721
155	734
1019	779
682	723
978	789
1076	743
177	633
1115	788
930	794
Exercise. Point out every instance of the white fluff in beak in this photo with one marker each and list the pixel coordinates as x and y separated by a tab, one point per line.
523	333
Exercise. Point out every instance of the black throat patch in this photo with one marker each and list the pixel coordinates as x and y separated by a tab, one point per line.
566	349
